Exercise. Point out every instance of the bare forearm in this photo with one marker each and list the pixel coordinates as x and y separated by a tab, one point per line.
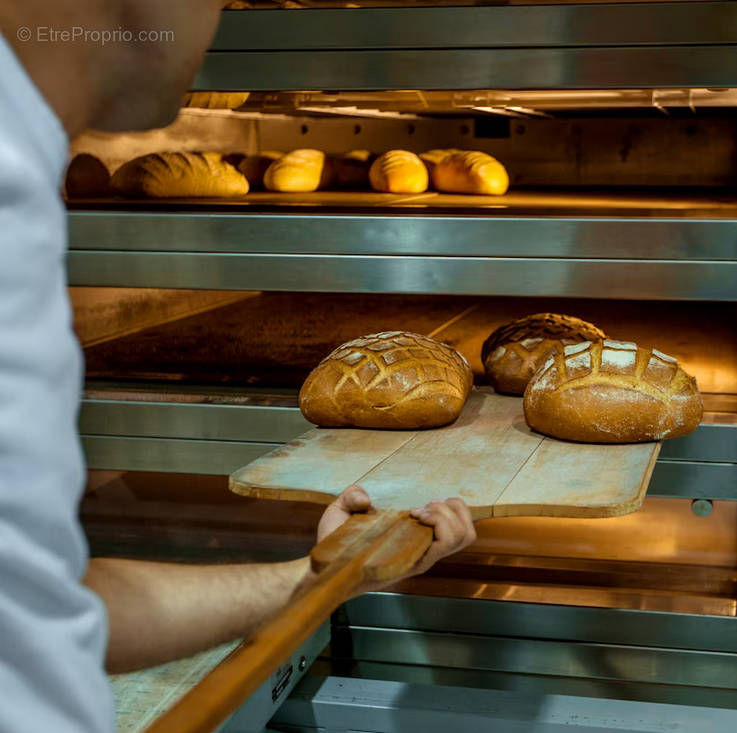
159	612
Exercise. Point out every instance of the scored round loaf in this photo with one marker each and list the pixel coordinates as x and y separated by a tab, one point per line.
470	171
300	171
387	380
398	171
179	175
612	392
515	351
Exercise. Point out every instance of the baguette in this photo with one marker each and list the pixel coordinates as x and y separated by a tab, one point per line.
515	351
387	380
470	171
612	392
398	171
215	100
179	175
299	171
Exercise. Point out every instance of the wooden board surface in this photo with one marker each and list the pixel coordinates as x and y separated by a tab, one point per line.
141	697
488	457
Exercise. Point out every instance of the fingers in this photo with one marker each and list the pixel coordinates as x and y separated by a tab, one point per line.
464	513
354	499
453	529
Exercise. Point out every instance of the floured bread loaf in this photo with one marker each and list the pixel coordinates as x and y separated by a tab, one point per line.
470	171
352	168
398	171
387	380
612	392
254	167
515	351
299	171
215	100
87	177
179	175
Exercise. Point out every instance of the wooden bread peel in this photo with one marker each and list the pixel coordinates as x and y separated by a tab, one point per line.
488	457
376	546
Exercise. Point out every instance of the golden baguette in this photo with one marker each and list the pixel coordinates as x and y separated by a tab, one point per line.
300	171
612	392
470	171
215	100
179	175
398	171
387	380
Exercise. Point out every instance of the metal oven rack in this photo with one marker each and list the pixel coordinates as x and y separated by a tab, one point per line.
602	46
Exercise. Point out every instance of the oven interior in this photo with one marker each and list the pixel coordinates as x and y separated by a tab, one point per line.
185	385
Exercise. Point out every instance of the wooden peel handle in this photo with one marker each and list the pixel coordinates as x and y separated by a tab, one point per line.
369	547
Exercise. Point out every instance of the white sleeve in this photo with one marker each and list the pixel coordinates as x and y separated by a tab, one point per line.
53	630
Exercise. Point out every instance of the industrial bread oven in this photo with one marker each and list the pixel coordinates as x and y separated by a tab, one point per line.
200	318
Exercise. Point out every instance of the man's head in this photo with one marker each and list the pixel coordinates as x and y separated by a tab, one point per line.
111	65
148	76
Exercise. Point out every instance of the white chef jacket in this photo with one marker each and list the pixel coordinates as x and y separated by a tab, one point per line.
52	629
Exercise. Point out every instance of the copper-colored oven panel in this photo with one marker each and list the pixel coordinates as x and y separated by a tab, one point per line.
628	598
688	565
662	531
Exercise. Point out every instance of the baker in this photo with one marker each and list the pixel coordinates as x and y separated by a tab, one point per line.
66	66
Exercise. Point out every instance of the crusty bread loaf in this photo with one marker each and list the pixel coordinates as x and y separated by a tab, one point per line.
352	168
432	157
387	380
515	351
254	167
301	170
87	177
470	171
215	100
398	171
179	175
612	392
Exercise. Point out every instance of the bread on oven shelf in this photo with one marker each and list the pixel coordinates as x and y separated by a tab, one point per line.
179	175
300	171
393	379
304	170
86	177
469	171
215	100
612	392
399	171
254	167
515	351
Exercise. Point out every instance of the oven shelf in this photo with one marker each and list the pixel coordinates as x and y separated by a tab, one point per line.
209	392
542	243
519	47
